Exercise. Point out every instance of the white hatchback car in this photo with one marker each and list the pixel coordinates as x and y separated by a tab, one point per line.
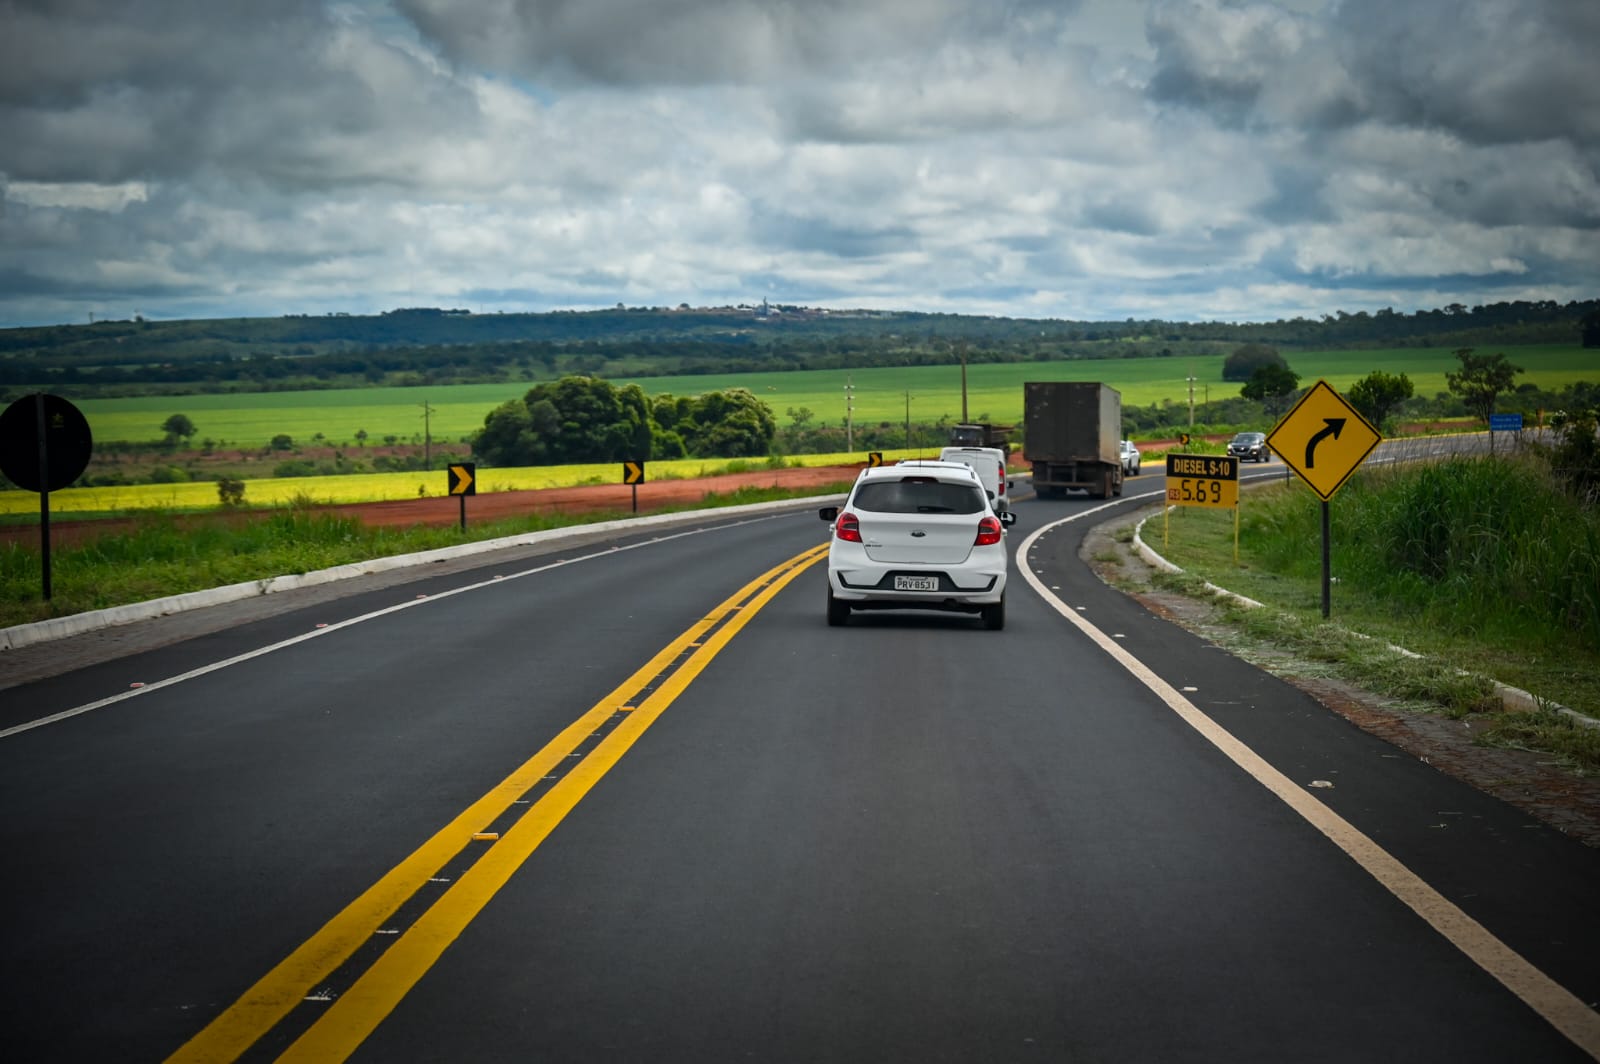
917	536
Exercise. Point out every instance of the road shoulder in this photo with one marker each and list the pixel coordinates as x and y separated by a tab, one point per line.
1527	780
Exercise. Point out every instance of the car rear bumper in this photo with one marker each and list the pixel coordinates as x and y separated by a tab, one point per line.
959	589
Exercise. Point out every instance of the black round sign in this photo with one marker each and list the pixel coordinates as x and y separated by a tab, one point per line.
67	442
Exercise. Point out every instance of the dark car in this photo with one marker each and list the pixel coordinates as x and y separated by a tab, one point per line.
1251	445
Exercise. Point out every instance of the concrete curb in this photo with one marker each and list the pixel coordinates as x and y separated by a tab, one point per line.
22	635
1513	699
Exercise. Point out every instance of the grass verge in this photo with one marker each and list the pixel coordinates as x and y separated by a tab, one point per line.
1494	583
165	554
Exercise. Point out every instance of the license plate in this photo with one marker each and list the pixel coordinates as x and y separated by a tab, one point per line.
916	583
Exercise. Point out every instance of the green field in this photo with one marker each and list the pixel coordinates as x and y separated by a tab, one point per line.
994	392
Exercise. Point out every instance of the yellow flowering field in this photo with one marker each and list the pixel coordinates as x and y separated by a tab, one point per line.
379	487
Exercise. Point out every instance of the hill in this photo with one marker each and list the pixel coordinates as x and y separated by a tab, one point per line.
421	345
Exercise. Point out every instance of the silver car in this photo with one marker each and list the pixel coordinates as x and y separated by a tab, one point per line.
1130	459
917	537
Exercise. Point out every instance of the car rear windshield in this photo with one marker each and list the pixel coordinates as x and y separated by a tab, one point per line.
918	495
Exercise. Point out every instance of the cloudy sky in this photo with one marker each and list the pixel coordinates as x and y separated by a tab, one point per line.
1085	159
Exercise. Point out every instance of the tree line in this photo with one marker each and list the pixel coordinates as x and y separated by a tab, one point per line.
422	346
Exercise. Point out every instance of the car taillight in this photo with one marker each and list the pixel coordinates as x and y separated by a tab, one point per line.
989	531
848	528
1002	466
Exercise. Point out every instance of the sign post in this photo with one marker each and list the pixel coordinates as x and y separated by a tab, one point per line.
45	445
1324	439
463	481
633	474
1503	423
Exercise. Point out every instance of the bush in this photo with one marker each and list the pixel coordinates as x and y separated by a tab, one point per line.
168	474
230	492
295	468
1483	537
385	463
1575	458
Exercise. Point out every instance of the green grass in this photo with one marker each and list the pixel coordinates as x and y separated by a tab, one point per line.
994	393
1481	565
167	554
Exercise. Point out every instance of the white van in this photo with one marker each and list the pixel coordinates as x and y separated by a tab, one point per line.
990	465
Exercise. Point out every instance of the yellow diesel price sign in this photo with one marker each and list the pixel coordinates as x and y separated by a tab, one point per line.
1203	480
1323	439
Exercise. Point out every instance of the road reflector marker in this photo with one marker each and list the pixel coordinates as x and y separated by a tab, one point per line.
485	836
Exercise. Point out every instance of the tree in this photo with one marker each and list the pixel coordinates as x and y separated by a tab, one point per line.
230	492
732	424
1270	383
587	419
507	437
178	427
1245	360
1480	381
1378	393
1590	324
592	427
572	420
1575	457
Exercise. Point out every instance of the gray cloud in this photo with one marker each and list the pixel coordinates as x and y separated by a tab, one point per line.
1189	158
693	42
279	93
1487	71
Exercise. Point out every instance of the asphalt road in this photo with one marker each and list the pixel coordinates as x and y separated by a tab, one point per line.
713	828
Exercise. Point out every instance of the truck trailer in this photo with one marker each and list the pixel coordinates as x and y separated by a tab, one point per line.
1072	435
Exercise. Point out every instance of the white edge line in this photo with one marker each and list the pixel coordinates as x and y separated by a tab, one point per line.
1549	999
157	685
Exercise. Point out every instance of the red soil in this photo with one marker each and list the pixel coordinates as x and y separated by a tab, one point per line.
490	506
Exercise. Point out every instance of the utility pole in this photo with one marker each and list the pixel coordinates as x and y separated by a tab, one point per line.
849	415
427	437
1191	378
908	421
963	382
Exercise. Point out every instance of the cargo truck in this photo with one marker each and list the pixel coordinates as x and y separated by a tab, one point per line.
1072	436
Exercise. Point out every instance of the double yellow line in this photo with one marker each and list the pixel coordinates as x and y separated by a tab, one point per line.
357	1011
